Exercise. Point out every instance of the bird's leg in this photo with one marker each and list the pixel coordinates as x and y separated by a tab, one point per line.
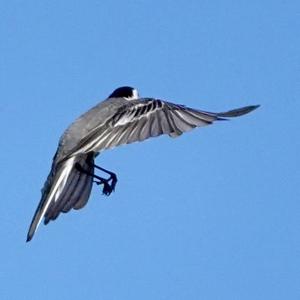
107	188
112	178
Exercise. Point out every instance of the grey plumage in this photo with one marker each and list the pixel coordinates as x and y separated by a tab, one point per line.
120	119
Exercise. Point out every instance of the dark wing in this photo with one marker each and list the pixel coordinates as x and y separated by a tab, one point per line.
145	118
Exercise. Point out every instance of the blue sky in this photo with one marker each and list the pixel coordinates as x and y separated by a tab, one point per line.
213	214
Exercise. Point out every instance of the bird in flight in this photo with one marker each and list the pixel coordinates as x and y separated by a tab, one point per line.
122	118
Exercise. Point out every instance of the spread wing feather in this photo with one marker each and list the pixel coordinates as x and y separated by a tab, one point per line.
64	189
142	119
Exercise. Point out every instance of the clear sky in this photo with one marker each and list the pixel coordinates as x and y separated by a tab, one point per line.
213	214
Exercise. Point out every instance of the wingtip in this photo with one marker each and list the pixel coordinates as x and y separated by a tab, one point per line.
29	238
248	109
238	112
253	107
31	230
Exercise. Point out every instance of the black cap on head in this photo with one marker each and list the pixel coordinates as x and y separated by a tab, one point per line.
123	92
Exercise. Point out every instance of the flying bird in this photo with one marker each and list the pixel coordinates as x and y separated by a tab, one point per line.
122	118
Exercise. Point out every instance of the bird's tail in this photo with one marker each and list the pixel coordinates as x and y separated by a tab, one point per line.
65	188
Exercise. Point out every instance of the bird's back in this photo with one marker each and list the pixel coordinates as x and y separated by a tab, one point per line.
96	117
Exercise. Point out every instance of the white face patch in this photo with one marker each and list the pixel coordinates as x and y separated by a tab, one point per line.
135	95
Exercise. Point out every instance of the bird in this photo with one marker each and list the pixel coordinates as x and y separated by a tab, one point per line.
122	118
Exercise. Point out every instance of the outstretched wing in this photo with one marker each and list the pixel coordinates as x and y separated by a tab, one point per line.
65	188
145	118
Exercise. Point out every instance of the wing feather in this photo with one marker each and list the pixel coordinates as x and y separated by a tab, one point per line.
65	188
155	126
141	119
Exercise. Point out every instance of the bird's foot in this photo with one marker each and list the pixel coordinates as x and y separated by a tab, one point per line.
113	179
108	187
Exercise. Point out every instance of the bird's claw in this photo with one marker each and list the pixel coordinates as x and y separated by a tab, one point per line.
107	187
114	180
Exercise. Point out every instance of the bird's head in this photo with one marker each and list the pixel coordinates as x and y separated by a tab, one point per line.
126	92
